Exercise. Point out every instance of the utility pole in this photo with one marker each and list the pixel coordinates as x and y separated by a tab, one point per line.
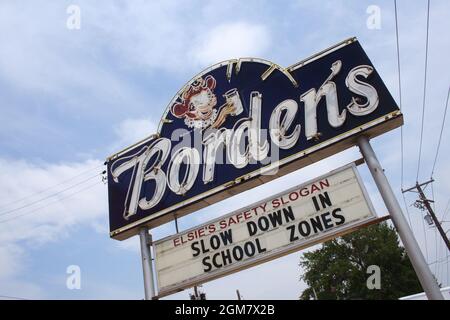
147	265
197	295
424	203
196	292
421	267
238	294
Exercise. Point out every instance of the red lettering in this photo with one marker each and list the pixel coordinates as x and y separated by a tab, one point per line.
314	188
275	203
293	196
263	206
304	192
231	221
284	201
223	224
324	184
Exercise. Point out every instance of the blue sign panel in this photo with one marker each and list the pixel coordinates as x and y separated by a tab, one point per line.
242	123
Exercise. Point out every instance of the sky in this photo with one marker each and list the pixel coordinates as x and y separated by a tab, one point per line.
71	97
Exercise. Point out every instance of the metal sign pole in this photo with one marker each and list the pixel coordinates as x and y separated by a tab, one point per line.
423	272
147	266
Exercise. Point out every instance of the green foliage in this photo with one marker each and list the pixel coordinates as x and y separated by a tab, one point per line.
338	270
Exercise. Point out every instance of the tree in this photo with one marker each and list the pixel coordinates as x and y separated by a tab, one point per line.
339	269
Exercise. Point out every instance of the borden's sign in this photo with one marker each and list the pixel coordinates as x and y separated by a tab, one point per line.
330	205
244	122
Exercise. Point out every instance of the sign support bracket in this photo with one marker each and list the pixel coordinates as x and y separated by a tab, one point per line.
423	272
147	265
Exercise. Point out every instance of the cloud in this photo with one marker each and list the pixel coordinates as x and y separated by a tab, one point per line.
131	131
33	215
114	38
46	216
41	203
60	63
12	264
10	256
231	40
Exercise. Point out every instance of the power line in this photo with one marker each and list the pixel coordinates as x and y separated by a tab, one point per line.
435	231
407	210
437	266
425	236
397	37
447	209
82	173
447	267
424	91
51	203
399	90
440	135
438	261
49	196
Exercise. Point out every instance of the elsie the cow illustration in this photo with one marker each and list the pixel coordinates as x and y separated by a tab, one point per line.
198	102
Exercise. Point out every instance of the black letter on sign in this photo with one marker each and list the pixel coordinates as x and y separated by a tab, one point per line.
324	201
258	246
288	214
316	204
338	216
226	237
316	224
252	229
307	230
326	220
292	236
275	218
206	263
194	247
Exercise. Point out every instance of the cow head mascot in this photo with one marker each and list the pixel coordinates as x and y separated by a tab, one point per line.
197	103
